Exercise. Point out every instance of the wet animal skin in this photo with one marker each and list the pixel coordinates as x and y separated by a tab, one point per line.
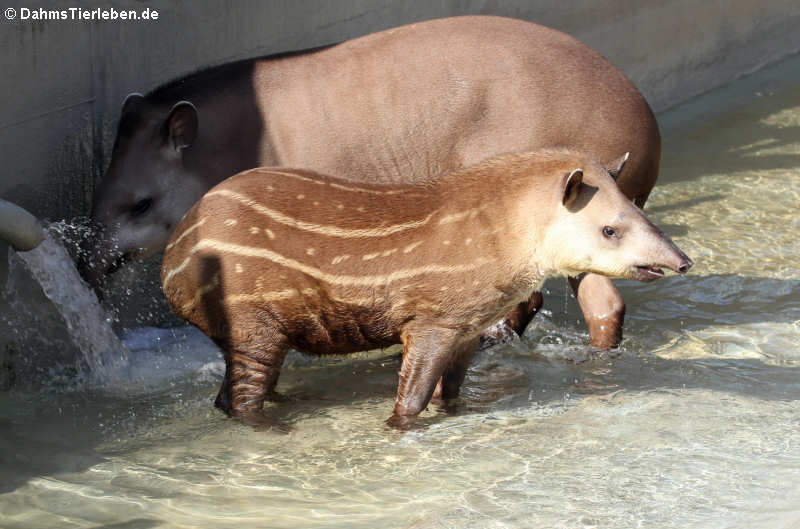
277	258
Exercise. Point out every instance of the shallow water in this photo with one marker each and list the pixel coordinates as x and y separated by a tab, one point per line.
693	423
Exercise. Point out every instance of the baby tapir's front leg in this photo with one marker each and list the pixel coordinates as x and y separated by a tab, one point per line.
428	354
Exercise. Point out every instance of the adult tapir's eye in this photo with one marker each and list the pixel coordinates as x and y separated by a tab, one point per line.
609	232
141	206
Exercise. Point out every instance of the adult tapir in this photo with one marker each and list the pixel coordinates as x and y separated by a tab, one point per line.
410	103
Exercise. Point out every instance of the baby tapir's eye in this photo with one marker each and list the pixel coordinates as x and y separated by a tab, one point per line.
609	232
141	206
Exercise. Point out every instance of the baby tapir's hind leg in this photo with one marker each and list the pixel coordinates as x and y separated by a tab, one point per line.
427	352
253	361
514	323
449	385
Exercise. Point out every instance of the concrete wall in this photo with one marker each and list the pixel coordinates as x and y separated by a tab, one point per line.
62	82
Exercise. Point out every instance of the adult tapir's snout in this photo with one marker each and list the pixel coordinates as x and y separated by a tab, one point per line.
98	257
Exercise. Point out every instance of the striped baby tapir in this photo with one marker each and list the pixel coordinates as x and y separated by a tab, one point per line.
274	258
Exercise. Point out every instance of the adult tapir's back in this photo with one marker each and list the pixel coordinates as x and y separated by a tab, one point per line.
425	99
404	104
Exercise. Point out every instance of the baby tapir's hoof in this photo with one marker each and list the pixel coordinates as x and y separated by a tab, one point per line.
260	422
402	422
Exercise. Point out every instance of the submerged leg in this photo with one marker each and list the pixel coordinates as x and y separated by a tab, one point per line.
426	355
251	373
515	322
449	384
603	308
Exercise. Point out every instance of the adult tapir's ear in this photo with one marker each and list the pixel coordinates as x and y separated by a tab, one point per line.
180	128
616	167
131	103
571	185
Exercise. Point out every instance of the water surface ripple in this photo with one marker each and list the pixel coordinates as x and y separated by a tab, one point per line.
692	424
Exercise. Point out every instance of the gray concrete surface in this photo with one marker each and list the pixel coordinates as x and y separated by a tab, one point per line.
62	81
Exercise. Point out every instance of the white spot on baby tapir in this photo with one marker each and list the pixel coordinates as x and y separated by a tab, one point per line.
316	203
361	209
411	247
269	233
239	268
301	196
230	222
387	253
468	241
255	229
339	258
369	256
310	251
340	206
446	243
309	291
270	188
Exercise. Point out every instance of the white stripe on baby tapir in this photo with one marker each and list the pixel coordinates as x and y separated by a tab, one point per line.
370	256
333	231
262	296
187	231
299	177
341	280
178	269
200	292
339	258
411	246
461	215
230	222
355	189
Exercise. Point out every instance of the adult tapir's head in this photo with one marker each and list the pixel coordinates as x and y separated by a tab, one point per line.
598	229
148	186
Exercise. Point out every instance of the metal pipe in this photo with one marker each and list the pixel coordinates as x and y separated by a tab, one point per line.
17	226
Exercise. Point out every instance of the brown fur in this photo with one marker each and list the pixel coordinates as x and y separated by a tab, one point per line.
406	104
278	258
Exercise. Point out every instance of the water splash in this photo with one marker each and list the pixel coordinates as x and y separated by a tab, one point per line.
102	356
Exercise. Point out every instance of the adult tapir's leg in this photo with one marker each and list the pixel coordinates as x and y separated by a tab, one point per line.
603	308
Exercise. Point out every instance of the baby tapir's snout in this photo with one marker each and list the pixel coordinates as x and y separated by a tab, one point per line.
599	230
665	255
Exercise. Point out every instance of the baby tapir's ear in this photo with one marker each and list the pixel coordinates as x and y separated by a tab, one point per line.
571	185
180	128
616	167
